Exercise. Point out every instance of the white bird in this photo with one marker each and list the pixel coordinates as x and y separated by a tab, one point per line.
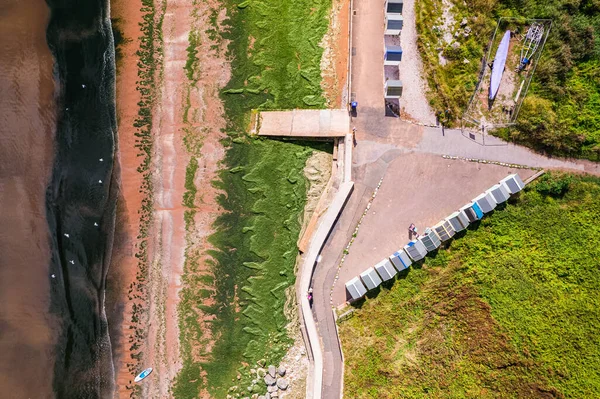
53	276
100	181
66	235
95	224
101	159
83	86
72	262
66	109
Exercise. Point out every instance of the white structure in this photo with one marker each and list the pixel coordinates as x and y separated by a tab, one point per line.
392	89
430	240
392	55
416	250
444	230
458	220
513	183
370	278
386	270
356	288
500	193
472	211
400	260
393	24
394	7
486	202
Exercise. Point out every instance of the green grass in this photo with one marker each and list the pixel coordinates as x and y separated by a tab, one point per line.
189	196
264	193
561	113
510	310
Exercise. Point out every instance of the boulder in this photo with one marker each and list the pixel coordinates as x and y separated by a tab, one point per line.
463	22
261	372
271	388
267	395
269	380
281	371
282	383
272	371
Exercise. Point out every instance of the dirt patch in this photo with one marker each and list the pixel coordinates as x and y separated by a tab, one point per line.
318	172
334	63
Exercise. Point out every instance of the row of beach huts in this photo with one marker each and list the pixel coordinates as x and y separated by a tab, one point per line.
433	237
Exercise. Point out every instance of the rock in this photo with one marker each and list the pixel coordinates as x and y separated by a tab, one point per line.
466	61
455	45
269	380
252	371
261	397
272	371
267	395
250	388
261	362
260	373
255	396
282	383
275	394
281	371
463	22
271	389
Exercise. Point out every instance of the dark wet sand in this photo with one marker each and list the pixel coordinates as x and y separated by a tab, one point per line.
27	120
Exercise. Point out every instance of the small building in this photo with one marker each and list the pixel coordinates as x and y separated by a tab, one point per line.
386	270
486	202
458	220
393	24
370	278
356	288
500	193
444	230
513	183
472	211
430	240
392	55
392	89
416	250
394	7
400	260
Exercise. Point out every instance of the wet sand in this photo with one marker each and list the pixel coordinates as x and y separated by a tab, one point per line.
27	119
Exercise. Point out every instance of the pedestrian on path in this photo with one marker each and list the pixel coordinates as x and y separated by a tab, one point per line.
310	296
354	136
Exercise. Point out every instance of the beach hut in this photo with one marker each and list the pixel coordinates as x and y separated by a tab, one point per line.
400	260
458	220
356	288
472	211
392	55
513	183
486	202
394	6
370	278
392	89
500	193
393	24
416	250
386	270
430	240
444	230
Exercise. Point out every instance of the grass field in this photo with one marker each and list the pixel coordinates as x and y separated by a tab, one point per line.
275	62
510	310
561	112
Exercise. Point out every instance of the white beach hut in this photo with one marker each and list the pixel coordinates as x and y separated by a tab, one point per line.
416	250
356	288
386	270
370	278
393	24
458	220
430	240
500	193
400	260
486	202
513	183
444	230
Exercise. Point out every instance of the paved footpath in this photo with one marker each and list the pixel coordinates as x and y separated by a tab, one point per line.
403	154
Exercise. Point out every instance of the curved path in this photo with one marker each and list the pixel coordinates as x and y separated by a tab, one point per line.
382	142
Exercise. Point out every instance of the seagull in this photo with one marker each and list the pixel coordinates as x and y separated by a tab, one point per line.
72	262
66	109
53	276
66	235
83	86
101	159
100	181
95	224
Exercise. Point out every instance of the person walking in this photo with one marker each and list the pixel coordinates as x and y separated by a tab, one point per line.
354	136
